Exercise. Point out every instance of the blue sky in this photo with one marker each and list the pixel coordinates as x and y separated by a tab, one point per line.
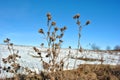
21	19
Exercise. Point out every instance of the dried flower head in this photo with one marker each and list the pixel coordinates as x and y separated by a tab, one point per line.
9	67
6	40
4	68
48	14
76	16
11	71
10	57
56	28
52	38
19	56
48	55
49	18
88	22
61	41
80	49
11	44
39	53
16	55
42	44
4	60
35	49
69	47
65	27
41	31
53	23
62	29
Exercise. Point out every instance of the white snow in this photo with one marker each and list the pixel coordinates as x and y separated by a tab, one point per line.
35	64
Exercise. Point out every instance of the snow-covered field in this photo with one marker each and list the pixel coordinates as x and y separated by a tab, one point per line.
34	63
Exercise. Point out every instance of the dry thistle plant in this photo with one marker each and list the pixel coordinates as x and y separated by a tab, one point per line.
54	40
12	65
11	60
79	47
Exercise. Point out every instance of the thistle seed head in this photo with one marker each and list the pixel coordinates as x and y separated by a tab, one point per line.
62	29
69	47
10	57
60	41
39	53
42	44
48	55
52	38
76	16
88	22
41	31
80	49
48	14
9	67
53	23
35	49
65	27
49	18
11	44
4	60
56	28
6	40
4	68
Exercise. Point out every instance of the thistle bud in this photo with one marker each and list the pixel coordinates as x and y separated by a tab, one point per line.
53	23
65	27
6	40
76	16
42	44
48	14
4	68
88	22
62	29
69	47
49	18
52	39
41	31
35	49
56	28
80	49
11	44
61	41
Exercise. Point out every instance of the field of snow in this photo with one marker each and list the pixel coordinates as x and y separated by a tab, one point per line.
34	63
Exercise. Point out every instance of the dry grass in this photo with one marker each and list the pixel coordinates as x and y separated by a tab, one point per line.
84	72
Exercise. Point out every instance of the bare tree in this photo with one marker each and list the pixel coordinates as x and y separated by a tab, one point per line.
117	47
95	47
